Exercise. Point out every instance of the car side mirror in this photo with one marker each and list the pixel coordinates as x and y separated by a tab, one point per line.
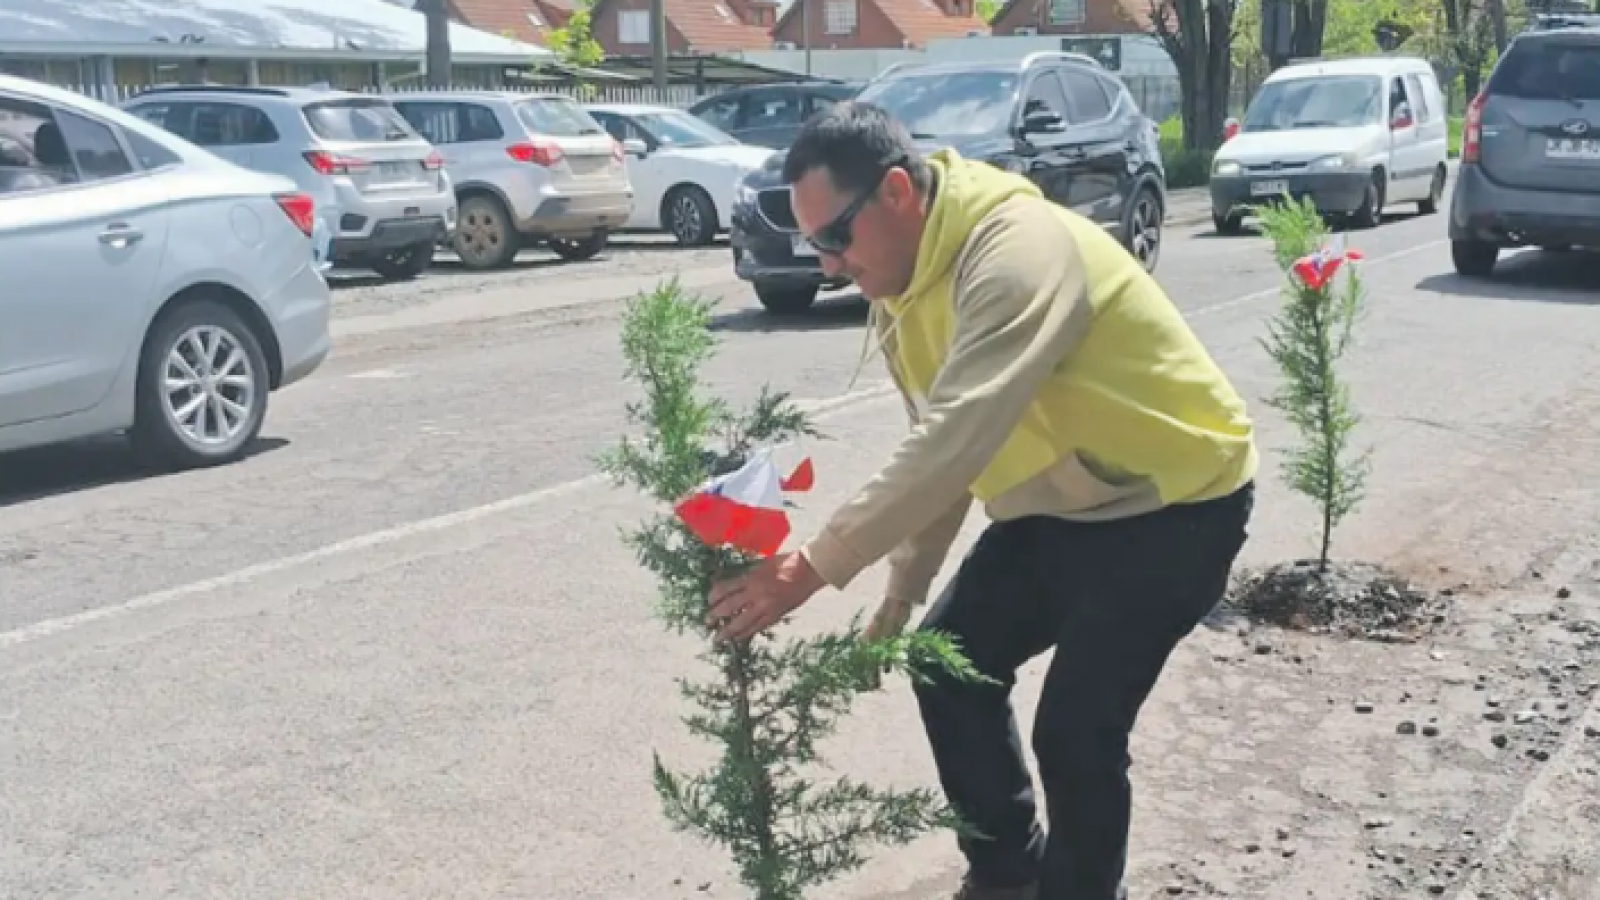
1042	122
635	147
1401	119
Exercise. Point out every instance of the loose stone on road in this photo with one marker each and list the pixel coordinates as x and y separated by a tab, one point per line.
400	652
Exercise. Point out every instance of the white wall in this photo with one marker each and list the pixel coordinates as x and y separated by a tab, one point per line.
844	64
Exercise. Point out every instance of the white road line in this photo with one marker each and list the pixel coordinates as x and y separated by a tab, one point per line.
823	408
48	627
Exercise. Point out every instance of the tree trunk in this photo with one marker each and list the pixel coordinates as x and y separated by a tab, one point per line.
1310	22
1198	35
438	53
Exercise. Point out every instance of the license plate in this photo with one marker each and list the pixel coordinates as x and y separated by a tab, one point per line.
391	172
802	247
1572	148
1268	188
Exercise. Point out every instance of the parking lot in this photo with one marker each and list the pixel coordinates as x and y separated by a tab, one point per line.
400	652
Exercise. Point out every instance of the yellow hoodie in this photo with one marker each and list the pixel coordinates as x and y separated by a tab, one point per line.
1046	373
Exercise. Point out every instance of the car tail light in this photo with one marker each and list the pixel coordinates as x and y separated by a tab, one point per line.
435	160
1230	128
300	209
1472	130
334	164
537	152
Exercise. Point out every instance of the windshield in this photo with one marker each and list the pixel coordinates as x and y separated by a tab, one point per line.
943	105
1548	69
678	129
556	117
358	120
1333	101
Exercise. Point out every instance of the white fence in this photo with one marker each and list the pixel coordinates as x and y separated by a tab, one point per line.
676	95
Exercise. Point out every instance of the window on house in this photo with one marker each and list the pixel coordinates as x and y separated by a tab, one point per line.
839	17
633	26
1065	12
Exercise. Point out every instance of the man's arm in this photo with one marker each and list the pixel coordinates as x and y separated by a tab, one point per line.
1021	306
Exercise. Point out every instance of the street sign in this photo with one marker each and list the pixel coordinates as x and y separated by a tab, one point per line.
1108	50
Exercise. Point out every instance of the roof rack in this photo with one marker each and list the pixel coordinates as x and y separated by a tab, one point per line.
213	88
1059	56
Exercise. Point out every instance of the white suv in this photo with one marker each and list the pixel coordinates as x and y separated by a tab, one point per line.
526	167
381	189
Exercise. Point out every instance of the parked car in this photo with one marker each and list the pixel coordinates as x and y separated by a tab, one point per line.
1354	135
770	115
683	171
381	187
528	168
154	288
1059	118
1530	152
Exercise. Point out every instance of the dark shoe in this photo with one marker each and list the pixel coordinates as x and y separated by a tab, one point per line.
971	890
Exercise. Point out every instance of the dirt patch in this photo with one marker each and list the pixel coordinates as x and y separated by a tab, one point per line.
1351	599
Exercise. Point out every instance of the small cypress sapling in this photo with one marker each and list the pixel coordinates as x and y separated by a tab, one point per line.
769	702
1307	339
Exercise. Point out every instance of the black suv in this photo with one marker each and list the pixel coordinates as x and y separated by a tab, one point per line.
1530	152
1059	118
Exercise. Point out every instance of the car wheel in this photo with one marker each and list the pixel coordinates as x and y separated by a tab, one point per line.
579	249
1370	213
690	215
1474	259
202	388
405	263
786	299
1227	225
1143	228
485	236
1435	193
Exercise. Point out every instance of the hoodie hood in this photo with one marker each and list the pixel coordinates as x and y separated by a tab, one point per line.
965	192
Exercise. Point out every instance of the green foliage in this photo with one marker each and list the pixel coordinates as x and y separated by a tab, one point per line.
987	10
1186	166
1306	339
770	702
574	43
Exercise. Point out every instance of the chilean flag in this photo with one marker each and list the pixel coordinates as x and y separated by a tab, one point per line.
1316	270
744	509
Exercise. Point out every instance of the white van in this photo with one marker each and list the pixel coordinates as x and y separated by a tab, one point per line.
1356	135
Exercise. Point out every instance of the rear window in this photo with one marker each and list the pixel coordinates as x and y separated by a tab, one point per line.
557	118
1549	69
367	121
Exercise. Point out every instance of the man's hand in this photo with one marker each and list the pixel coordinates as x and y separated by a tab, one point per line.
753	602
890	619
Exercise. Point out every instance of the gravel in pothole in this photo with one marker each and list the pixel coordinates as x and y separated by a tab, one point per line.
1350	599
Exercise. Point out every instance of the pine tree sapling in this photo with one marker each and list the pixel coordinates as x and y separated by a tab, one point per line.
1307	339
769	702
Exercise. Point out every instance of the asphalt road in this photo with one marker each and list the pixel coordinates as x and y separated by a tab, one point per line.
400	652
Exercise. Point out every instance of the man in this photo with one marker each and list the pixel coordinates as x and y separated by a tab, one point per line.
1049	377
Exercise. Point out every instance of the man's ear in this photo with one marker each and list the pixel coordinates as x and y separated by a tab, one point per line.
898	192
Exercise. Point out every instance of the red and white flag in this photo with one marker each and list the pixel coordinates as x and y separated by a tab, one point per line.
744	509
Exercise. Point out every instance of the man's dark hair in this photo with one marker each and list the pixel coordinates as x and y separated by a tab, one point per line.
856	143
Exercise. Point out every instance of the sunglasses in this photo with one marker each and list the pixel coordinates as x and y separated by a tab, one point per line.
834	238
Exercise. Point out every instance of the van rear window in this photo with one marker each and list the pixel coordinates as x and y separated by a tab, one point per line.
359	120
1549	69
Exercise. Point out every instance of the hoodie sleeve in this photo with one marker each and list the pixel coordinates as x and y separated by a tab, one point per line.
1021	306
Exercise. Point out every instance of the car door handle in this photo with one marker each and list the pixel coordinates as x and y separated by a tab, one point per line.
120	235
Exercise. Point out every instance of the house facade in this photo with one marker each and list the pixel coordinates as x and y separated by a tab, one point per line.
521	20
694	27
1019	18
875	24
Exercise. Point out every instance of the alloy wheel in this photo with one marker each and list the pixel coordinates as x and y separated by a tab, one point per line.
209	385
1144	231
480	236
686	221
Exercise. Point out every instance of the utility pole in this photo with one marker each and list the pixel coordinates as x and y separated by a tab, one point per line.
658	48
805	31
438	55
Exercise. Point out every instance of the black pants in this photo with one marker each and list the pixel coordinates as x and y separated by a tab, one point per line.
1113	599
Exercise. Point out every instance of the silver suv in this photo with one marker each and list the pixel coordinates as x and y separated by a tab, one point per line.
1530	152
527	167
380	188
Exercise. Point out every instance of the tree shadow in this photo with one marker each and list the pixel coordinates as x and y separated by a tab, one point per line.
1536	276
829	314
42	472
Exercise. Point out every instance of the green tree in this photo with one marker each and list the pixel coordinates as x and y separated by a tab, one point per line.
769	702
574	44
1307	339
987	10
